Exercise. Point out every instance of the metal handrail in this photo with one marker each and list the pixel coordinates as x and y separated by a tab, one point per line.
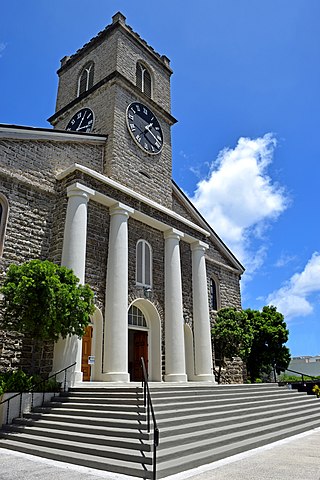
148	403
282	369
33	388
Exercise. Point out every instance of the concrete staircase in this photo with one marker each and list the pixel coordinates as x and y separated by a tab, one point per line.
105	427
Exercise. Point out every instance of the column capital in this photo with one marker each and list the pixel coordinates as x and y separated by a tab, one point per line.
173	233
120	209
79	190
199	245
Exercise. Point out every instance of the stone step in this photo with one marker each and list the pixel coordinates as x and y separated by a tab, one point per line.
100	400
84	428
104	428
93	405
105	439
90	412
166	403
79	419
231	419
140	469
193	459
107	451
229	408
214	435
174	389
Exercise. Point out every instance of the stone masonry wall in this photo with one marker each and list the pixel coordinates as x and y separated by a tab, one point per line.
27	180
117	52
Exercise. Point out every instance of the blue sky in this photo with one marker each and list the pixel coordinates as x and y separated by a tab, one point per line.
246	93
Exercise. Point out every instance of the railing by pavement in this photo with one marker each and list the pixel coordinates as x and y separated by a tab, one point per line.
35	388
282	369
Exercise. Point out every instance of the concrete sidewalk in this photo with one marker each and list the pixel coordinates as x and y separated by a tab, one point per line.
295	458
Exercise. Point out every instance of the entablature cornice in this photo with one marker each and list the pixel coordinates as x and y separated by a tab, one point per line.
136	214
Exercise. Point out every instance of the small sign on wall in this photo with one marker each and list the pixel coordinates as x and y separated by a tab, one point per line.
91	360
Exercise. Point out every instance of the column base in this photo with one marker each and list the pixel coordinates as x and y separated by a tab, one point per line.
176	377
76	377
204	378
114	377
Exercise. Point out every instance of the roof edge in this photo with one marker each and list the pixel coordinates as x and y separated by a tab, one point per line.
189	205
21	132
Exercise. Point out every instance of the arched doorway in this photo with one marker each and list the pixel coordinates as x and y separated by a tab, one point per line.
86	354
92	347
144	340
137	343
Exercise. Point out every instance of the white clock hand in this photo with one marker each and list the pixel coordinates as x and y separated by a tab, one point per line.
79	127
84	126
147	127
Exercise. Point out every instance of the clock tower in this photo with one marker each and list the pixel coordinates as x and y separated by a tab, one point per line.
118	86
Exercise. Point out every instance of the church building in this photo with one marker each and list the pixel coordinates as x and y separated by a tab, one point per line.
95	193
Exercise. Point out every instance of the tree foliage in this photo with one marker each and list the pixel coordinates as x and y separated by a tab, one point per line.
45	301
270	335
232	336
257	337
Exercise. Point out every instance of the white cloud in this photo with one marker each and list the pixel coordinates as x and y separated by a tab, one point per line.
239	199
284	260
294	298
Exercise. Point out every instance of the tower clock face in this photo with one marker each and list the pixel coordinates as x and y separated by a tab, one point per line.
81	121
144	128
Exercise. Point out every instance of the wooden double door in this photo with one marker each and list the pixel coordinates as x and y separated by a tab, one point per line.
86	353
139	348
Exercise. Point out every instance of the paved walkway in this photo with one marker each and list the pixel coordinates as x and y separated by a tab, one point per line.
296	458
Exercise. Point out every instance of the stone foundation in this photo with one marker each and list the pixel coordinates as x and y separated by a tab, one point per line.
17	351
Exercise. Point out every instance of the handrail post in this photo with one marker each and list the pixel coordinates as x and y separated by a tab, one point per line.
8	407
31	390
20	406
148	404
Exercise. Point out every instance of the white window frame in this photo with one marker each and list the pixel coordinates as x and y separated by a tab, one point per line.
138	327
143	70
3	220
145	245
217	291
87	68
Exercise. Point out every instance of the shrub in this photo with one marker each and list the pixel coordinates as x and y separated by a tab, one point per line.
19	381
316	390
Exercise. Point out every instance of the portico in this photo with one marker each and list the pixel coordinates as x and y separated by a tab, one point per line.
113	366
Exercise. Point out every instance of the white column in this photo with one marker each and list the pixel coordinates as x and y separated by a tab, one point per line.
174	323
201	319
116	311
69	350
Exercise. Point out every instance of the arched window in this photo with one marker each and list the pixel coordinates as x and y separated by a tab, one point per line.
85	81
213	294
136	317
143	264
4	210
143	79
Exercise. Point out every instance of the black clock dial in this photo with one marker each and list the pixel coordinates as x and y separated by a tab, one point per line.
81	121
144	128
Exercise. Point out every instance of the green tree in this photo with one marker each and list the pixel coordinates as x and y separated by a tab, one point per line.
232	336
45	301
269	336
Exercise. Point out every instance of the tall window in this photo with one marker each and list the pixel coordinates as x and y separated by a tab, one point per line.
4	210
86	78
143	79
143	264
213	295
